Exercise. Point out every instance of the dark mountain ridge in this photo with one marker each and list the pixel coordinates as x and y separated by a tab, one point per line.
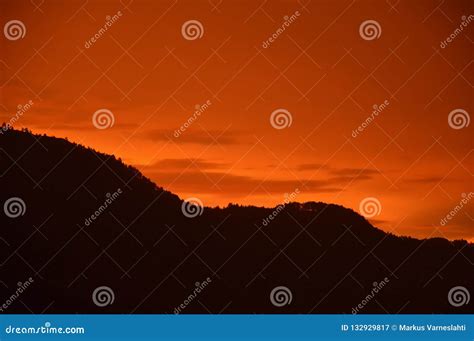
151	255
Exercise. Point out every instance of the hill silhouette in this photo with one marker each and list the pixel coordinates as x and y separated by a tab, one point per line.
153	257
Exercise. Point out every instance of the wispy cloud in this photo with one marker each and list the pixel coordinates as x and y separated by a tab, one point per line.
311	166
181	164
424	180
354	172
204	137
221	182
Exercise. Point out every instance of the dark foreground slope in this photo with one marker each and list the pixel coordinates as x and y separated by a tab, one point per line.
151	256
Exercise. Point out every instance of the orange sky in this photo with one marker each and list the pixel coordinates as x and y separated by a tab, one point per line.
319	69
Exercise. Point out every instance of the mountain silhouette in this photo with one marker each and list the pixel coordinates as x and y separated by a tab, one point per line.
148	257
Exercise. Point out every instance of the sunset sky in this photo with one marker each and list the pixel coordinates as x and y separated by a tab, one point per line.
320	70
